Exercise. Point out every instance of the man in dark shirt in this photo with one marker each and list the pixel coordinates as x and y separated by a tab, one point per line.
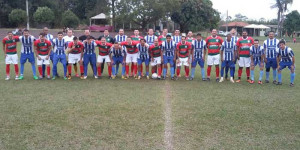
86	33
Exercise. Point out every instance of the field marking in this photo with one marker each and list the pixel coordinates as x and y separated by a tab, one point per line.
168	136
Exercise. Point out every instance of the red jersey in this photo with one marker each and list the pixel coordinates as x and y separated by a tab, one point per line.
214	45
130	48
183	49
42	48
136	38
161	39
104	49
155	51
190	40
78	48
244	46
11	45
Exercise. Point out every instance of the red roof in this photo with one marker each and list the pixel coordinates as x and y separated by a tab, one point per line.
236	24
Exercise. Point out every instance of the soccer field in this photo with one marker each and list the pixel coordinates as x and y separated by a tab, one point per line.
148	114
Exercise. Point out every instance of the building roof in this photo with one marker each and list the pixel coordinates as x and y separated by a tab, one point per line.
255	26
100	16
236	24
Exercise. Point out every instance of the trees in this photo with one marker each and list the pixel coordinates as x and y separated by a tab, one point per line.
281	5
292	22
69	19
17	17
43	15
196	15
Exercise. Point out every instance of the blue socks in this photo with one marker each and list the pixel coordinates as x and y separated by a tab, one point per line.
261	73
232	71
193	72
123	70
22	69
252	75
164	72
117	69
279	77
203	73
172	71
274	74
292	77
222	71
267	76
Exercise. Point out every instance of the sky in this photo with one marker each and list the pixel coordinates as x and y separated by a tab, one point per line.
253	9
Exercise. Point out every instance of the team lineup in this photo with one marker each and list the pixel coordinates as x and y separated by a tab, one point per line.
134	52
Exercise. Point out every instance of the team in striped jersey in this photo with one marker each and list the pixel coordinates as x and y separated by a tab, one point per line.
157	51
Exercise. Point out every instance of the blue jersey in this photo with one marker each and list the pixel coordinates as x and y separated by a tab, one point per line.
176	39
199	47
150	39
256	53
270	46
143	52
89	48
27	44
228	49
120	38
234	39
286	55
59	46
117	52
168	48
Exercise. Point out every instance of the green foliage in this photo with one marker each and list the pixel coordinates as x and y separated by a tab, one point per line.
44	15
17	17
196	15
69	19
292	22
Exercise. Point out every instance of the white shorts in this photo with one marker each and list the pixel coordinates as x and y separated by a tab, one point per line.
244	62
156	61
213	60
11	59
74	58
183	61
131	58
43	60
101	58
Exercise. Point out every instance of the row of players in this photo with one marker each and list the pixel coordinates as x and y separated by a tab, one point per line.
176	51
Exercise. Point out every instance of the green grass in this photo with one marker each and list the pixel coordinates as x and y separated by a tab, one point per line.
129	114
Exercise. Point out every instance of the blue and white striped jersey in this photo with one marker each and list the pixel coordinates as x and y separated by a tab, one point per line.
143	51
286	55
256	53
233	38
176	39
198	47
27	44
270	46
150	39
117	52
228	49
59	46
168	48
49	37
119	38
89	48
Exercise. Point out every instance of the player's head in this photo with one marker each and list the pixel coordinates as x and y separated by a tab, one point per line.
271	34
165	32
106	33
103	40
42	36
129	40
282	44
26	32
10	34
142	41
256	42
60	35
89	39
199	36
156	42
169	38
150	32
121	31
136	32
228	37
233	32
245	34
177	32
70	33
87	32
214	32
45	30
183	39
190	34
116	45
75	40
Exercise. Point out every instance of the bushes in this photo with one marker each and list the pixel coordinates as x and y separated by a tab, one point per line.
17	17
69	19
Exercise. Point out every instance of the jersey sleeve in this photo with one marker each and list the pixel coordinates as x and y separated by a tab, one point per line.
35	43
290	52
222	46
238	43
204	45
17	38
251	50
265	44
3	41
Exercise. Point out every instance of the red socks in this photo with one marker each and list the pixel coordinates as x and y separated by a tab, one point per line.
81	70
7	69
217	71
178	71
99	70
132	68
109	70
40	70
135	69
159	71
187	71
48	70
127	69
70	69
248	71
240	71
208	71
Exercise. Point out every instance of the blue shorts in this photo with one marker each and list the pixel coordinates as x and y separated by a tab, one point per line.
271	62
51	56
227	63
117	60
199	61
25	57
59	58
257	63
285	64
146	61
169	59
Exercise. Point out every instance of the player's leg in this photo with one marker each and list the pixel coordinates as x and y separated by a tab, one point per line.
268	68
23	60
93	60
226	72
15	62
128	61
178	67
274	67
75	69
140	63
216	63
109	67
172	71
252	71
31	59
55	62
247	65
147	61
100	60
209	65
165	64
159	66
85	64
39	63
282	66
63	60
8	61
201	63
261	72
194	64
47	63
223	66
186	68
232	70
134	60
131	69
113	67
292	68
102	66
240	72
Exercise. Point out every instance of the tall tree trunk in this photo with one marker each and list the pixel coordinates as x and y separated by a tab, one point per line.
278	20
113	13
